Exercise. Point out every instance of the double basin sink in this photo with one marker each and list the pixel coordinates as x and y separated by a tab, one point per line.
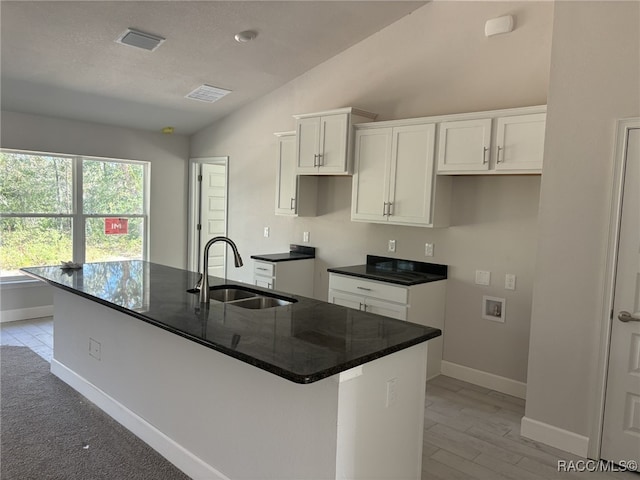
246	297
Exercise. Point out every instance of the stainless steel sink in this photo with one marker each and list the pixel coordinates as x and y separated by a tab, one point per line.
245	297
261	302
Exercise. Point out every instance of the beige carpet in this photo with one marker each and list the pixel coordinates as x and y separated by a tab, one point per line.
50	431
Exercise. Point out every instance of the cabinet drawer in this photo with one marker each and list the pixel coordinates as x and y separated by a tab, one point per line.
369	288
264	269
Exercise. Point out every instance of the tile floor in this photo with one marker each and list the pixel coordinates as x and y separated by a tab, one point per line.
470	432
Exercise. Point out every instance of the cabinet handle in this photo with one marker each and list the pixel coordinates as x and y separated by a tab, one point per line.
390	209
484	155
315	159
360	307
500	149
263	269
365	307
363	288
320	160
384	208
292	203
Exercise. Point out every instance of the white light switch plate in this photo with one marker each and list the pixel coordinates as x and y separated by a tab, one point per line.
428	249
266	232
305	236
510	281
392	245
483	277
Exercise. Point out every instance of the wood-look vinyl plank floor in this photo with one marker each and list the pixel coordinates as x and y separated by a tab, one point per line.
470	432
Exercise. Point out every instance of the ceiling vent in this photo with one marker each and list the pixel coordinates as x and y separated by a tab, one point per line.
207	93
136	38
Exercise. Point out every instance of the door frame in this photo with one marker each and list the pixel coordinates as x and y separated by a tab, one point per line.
619	168
193	247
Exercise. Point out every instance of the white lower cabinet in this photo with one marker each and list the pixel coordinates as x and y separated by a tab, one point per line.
293	276
422	304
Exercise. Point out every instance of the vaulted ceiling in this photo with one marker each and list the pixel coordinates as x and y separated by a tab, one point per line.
60	58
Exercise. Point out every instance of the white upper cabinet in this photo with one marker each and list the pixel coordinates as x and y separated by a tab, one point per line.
394	180
520	142
464	145
324	141
497	142
295	196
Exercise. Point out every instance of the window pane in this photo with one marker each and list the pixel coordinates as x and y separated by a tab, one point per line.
112	187
104	247
29	242
35	183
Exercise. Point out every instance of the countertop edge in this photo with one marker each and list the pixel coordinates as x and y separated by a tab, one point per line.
385	280
270	368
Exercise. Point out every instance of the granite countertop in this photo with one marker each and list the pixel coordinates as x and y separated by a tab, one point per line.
395	270
296	252
303	342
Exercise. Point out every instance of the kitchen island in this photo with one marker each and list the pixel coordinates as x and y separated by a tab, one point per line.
303	390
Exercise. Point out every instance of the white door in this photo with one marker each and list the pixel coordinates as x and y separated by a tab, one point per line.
380	307
464	145
412	174
213	215
520	142
333	143
371	174
307	143
286	176
621	430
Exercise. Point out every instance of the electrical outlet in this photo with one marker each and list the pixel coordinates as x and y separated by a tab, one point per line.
510	281
392	246
305	236
428	249
483	277
266	232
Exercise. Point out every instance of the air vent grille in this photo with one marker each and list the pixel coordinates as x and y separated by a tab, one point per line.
136	38
207	93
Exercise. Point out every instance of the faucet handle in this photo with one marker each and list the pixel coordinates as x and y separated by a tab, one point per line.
199	283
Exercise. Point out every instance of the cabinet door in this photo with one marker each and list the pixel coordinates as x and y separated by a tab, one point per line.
371	175
520	142
412	174
346	299
286	194
334	131
307	142
386	309
264	282
464	146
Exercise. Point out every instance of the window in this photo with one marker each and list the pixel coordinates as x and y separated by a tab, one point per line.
56	208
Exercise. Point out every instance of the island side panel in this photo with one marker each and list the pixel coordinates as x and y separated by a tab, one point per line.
381	417
239	420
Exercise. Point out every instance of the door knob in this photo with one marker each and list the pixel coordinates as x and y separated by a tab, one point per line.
628	317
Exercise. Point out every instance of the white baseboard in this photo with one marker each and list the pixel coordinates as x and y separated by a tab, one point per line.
25	313
554	436
484	379
165	446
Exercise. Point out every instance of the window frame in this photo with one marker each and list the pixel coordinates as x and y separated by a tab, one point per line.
78	218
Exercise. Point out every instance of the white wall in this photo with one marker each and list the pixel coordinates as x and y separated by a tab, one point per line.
168	155
434	61
594	80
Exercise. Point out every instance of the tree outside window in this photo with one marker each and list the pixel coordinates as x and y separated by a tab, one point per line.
58	208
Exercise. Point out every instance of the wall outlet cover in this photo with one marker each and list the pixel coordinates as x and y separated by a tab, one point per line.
266	232
392	245
428	249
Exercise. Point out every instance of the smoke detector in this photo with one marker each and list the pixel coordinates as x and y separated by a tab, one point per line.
207	93
136	38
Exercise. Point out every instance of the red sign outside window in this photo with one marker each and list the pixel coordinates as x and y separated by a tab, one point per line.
116	226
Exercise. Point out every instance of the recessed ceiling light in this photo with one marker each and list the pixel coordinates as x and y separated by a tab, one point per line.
245	36
207	93
136	38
